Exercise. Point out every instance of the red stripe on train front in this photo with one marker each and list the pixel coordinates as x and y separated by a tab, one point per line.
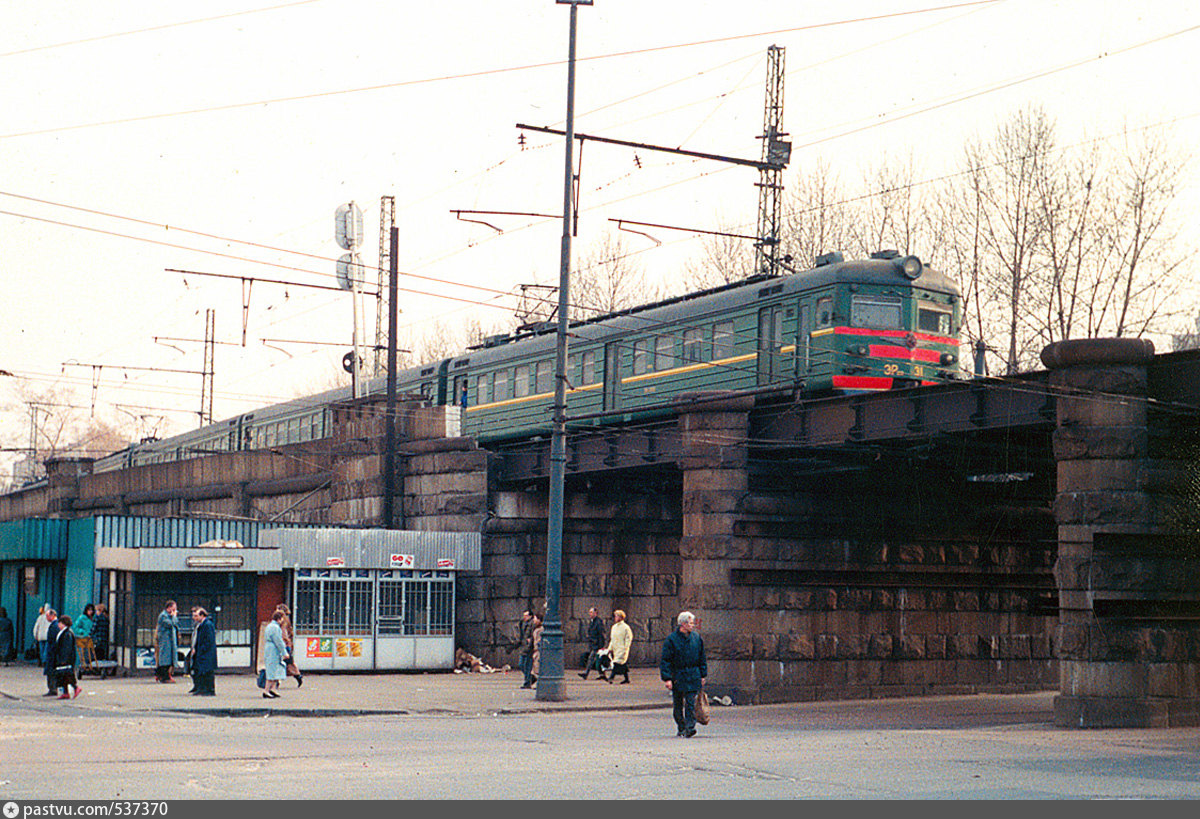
864	331
889	351
861	382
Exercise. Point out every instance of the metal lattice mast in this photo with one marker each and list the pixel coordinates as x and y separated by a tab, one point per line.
209	368
770	180
387	221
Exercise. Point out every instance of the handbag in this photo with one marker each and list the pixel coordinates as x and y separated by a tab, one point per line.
262	678
702	707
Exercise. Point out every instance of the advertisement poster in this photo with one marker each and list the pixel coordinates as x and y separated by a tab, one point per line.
349	648
318	647
402	561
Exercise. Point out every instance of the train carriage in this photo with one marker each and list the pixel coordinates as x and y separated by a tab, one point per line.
872	324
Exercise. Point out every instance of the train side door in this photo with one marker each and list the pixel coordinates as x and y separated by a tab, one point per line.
612	376
770	342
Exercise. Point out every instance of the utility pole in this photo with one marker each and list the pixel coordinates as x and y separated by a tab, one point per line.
550	686
389	454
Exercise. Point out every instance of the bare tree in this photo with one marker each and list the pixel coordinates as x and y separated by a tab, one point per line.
816	217
724	258
606	280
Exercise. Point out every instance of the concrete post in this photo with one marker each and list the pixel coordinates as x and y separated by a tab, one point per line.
1121	662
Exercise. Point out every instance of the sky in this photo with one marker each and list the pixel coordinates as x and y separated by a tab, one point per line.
140	137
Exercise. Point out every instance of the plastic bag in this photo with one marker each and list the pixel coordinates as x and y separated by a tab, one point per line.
702	707
262	678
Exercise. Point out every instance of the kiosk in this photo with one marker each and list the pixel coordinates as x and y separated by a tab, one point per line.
373	599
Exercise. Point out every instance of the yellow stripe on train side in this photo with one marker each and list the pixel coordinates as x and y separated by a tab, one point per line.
508	402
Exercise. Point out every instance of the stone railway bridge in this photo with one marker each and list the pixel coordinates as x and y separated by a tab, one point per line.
1036	532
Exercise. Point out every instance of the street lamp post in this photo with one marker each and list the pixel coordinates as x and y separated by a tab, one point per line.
550	684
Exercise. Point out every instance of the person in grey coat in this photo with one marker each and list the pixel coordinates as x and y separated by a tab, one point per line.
684	669
274	650
166	643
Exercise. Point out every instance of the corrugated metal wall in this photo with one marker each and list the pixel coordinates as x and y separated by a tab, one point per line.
34	539
114	531
372	548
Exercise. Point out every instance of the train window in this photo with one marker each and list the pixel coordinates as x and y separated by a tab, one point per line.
933	319
641	356
693	344
824	311
723	341
483	389
500	391
588	374
521	382
664	352
875	311
544	377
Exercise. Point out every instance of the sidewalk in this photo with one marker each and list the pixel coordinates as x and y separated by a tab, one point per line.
339	694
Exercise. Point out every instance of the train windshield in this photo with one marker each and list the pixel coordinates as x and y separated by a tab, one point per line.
875	311
933	318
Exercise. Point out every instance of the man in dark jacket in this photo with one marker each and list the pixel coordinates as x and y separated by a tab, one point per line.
204	654
684	669
595	643
61	654
525	647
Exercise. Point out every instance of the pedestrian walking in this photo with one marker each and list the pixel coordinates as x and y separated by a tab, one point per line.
274	650
166	643
8	637
204	654
62	654
289	639
52	627
525	647
595	637
684	670
41	628
536	665
100	632
620	640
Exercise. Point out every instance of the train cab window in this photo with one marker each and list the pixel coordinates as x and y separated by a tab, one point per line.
693	344
587	363
723	341
664	352
933	318
500	391
824	311
875	311
545	377
521	382
641	356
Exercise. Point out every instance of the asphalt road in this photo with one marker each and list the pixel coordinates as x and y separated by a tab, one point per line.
986	748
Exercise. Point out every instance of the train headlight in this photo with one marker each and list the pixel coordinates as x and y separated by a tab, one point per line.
911	267
856	350
949	358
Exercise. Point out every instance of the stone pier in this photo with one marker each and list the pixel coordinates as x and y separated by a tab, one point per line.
1128	638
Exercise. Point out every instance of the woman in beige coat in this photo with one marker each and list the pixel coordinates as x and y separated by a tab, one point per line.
620	640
